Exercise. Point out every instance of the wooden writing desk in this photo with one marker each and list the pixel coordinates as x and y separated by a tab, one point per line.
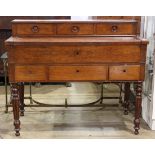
61	51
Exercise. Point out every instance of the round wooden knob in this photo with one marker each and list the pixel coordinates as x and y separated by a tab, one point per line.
35	29
114	28
75	29
77	71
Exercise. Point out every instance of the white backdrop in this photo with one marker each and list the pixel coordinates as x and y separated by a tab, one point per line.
79	17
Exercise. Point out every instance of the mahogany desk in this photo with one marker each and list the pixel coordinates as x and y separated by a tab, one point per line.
67	51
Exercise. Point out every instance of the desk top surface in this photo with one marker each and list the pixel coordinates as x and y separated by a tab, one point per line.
72	40
74	21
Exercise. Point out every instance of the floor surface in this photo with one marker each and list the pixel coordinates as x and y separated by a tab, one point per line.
95	122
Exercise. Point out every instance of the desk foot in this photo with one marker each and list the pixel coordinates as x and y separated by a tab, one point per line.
15	101
138	107
17	127
17	134
136	132
136	127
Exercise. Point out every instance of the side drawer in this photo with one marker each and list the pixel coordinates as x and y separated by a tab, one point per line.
34	29
75	29
125	72
77	73
116	28
30	73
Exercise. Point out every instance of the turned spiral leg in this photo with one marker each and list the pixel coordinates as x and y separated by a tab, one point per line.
21	97
15	104
138	107
126	98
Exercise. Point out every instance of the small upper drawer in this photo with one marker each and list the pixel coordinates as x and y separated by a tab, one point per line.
124	72
116	28
34	29
75	29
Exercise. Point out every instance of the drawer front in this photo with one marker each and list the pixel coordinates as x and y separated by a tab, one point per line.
75	29
34	29
77	73
30	73
116	29
75	54
124	72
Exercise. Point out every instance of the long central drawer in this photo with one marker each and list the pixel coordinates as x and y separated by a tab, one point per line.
76	54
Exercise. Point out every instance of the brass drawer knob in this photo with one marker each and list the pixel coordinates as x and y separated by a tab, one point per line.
35	29
75	29
114	28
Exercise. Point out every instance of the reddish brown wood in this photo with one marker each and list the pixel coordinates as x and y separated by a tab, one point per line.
137	18
77	51
76	54
116	29
75	28
78	40
34	29
78	73
30	73
124	72
138	107
15	101
67	27
5	21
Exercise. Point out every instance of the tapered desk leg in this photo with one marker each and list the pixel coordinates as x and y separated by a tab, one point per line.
15	101
138	107
126	98
21	95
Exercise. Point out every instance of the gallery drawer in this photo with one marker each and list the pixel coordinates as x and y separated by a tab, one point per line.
112	28
125	72
30	73
75	29
78	73
34	29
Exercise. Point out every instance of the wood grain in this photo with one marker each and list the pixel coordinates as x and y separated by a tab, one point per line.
124	72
